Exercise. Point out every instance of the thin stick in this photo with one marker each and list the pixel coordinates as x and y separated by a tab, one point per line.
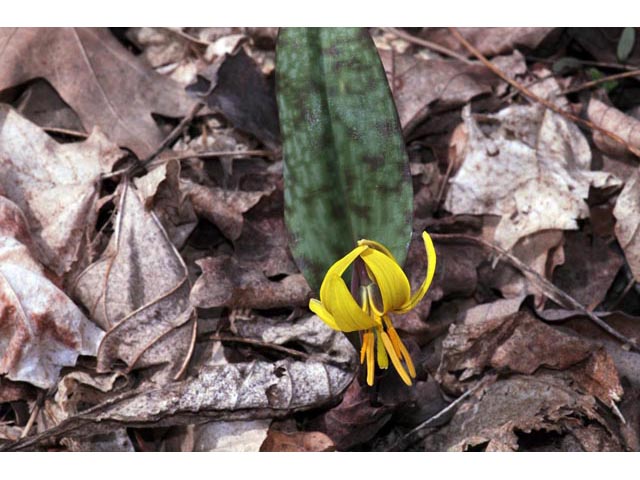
427	44
65	131
557	295
588	63
34	413
186	36
175	133
222	153
595	83
427	423
532	96
257	343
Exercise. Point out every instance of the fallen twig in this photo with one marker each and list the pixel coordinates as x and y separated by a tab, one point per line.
257	343
550	290
595	83
532	96
406	438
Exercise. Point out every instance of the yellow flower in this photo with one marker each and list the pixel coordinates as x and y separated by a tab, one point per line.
384	289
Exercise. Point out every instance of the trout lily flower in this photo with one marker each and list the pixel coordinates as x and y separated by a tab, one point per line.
383	289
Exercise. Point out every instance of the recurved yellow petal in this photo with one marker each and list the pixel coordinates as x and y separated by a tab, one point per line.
338	268
348	315
377	246
391	280
316	307
431	269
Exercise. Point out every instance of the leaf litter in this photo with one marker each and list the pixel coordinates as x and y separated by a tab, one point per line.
164	311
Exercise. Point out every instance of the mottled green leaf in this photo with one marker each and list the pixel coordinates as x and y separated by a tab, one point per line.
346	170
626	43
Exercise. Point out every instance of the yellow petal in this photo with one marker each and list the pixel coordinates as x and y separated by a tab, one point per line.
377	246
338	269
431	269
316	307
394	359
347	314
391	280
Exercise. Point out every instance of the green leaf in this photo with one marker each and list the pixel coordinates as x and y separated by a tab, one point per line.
596	74
626	43
345	166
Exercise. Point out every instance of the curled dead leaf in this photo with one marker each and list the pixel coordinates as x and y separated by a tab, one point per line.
528	165
55	185
41	329
106	85
613	120
139	292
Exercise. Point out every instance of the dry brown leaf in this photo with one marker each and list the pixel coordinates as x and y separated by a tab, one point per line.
75	392
238	89
542	251
55	185
105	84
41	104
539	412
297	442
627	213
470	343
264	241
355	420
489	40
139	292
224	208
602	43
587	281
41	329
613	120
242	391
530	166
226	282
520	343
419	83
422	86
234	436
162	192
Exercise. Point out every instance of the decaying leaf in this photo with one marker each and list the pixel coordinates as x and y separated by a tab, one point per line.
587	281
139	292
602	43
244	391
520	343
490	41
613	120
530	166
224	208
161	191
355	420
106	85
239	90
542	251
234	436
226	282
55	185
506	414
297	442
75	391
41	329
421	86
627	213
